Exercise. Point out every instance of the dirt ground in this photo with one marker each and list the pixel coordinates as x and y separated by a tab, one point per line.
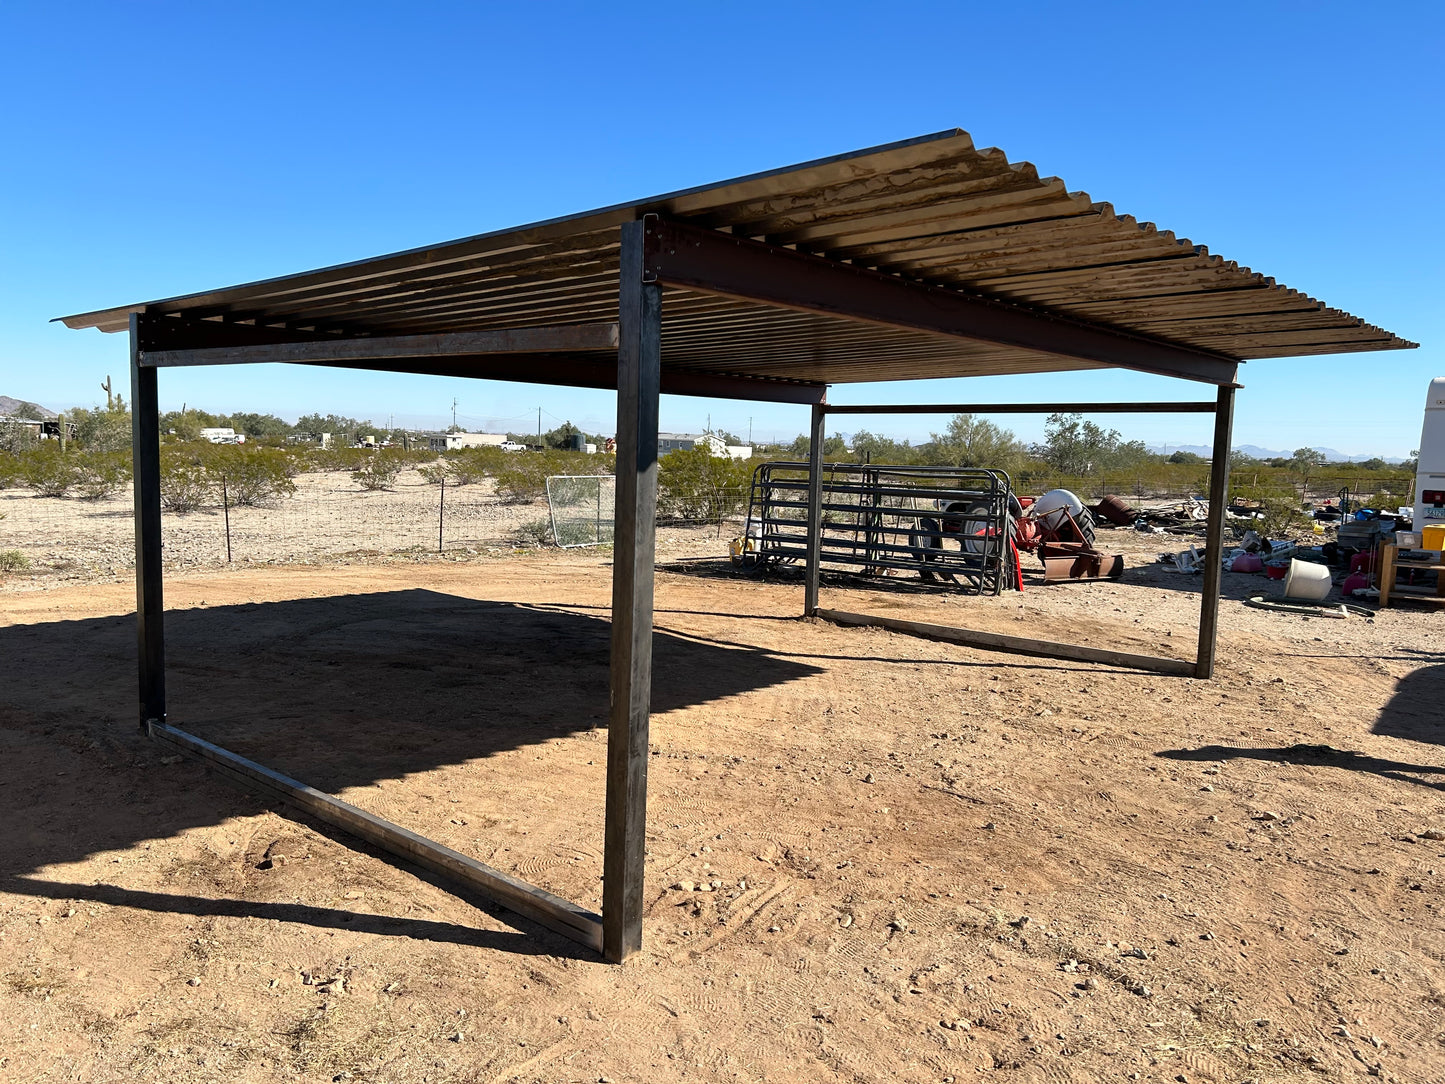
921	862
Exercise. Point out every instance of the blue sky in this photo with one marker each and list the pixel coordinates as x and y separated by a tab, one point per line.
154	149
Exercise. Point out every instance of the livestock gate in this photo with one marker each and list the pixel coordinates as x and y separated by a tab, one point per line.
947	524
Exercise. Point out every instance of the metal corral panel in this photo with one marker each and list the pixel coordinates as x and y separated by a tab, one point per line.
935	209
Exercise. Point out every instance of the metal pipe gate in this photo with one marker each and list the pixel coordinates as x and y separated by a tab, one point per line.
950	525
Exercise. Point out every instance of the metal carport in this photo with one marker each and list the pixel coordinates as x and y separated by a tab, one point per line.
925	258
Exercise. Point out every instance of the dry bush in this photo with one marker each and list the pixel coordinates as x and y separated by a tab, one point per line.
253	476
101	474
535	532
334	459
48	470
186	483
380	469
694	486
523	475
12	472
472	465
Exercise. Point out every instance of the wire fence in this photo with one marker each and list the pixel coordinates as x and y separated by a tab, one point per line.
329	517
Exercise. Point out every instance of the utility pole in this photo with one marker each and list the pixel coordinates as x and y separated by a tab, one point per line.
750	432
539	427
454	413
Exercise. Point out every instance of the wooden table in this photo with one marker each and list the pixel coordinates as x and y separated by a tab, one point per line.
1390	565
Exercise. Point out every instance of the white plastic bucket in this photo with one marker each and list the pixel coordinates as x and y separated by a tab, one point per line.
1307	581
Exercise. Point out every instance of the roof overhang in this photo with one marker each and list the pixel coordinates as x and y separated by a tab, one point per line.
926	258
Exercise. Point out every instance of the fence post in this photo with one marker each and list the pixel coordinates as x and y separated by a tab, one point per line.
441	513
226	511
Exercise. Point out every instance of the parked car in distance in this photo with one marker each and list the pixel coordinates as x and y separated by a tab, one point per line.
512	446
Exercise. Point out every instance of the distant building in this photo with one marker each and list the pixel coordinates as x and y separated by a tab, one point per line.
450	442
715	445
222	435
42	429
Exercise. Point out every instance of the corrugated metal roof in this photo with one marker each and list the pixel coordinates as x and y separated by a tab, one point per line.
935	209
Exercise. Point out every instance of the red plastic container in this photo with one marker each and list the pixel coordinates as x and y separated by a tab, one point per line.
1276	572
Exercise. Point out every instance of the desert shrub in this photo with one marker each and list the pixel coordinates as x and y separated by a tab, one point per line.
11	470
101	474
522	476
48	470
472	465
13	561
693	486
186	482
435	474
252	475
336	459
380	469
16	437
524	479
535	532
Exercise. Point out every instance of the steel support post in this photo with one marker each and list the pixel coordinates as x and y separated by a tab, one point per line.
1214	542
146	458
815	509
639	357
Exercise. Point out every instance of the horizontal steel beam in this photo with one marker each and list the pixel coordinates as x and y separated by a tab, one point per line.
1019	645
712	262
565	338
537	904
1022	408
590	371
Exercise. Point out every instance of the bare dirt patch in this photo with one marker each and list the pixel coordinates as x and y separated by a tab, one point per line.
905	860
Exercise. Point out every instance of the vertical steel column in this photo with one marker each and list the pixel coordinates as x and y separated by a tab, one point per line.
146	461
1214	542
815	508
639	358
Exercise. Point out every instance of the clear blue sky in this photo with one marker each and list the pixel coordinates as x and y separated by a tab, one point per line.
153	149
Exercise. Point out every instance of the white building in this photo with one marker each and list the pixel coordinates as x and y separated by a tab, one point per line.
222	435
450	442
685	442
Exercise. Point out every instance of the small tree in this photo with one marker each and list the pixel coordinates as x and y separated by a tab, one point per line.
973	442
1306	462
104	429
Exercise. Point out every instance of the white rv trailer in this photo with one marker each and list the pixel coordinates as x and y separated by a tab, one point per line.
1430	473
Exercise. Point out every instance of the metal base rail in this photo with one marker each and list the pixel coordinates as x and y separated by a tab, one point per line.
537	904
1019	645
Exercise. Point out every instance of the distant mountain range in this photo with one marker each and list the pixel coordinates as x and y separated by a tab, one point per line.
10	406
1256	452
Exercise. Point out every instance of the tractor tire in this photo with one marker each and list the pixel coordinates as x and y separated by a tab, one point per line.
1085	520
